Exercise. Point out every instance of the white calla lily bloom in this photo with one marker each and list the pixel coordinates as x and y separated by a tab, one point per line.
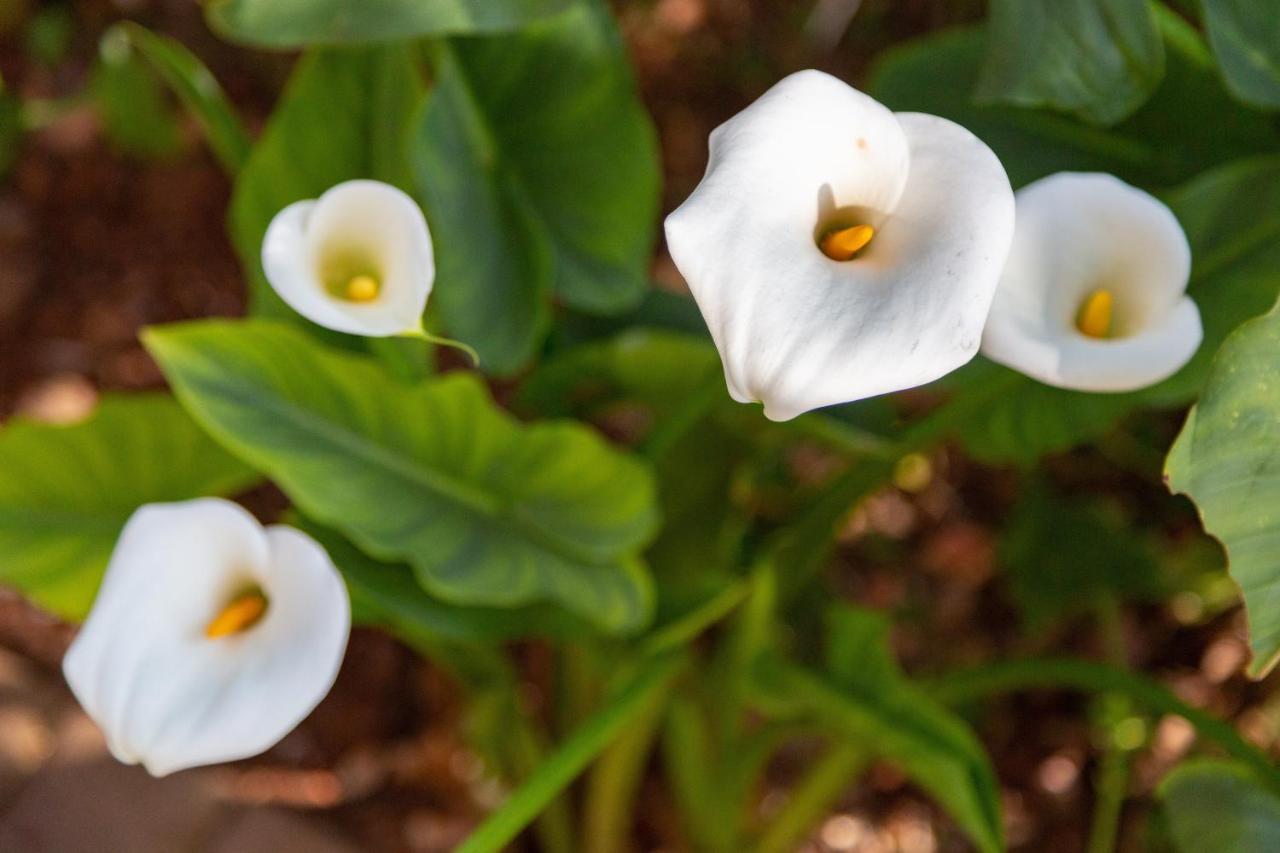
1094	295
211	637
358	259
838	250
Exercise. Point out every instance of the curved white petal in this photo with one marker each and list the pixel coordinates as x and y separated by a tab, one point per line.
797	330
167	696
368	219
1078	233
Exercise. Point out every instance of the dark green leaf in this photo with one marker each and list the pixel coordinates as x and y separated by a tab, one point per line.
1245	35
66	491
487	511
539	168
1219	806
136	117
296	23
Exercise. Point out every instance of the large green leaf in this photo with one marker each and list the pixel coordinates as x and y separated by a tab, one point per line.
1232	219
1220	806
66	491
345	114
866	697
487	511
1245	35
1189	124
296	23
539	167
1227	459
1097	59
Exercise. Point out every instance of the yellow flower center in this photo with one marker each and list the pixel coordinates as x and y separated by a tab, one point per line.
362	288
240	614
1096	314
841	244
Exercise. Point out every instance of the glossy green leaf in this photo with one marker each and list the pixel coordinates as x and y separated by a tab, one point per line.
345	114
1220	806
1097	59
297	23
539	169
1226	461
866	697
1245	35
1189	125
195	87
487	511
66	491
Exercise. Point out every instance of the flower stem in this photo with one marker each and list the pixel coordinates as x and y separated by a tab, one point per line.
812	799
437	340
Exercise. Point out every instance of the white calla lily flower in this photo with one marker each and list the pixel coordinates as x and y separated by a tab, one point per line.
358	259
1094	295
838	250
211	637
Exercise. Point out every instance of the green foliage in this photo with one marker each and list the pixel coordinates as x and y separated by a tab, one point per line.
1220	806
488	512
539	169
1097	59
1225	459
866	697
298	23
1245	35
10	129
1064	557
66	491
136	116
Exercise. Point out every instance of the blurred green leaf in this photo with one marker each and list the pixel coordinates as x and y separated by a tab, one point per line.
136	116
199	92
1220	806
10	130
1189	124
539	169
345	114
1097	59
1226	461
866	697
49	33
66	491
1245	35
297	23
1232	219
487	511
1064	557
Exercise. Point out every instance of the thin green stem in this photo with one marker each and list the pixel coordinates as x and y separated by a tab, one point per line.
571	758
1111	781
422	334
684	629
812	798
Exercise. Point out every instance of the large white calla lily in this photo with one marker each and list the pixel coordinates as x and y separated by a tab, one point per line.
211	637
1094	295
358	259
838	250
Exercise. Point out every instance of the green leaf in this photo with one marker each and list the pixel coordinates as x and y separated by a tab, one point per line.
1220	806
66	491
1189	124
1232	219
486	510
297	23
1063	557
867	697
1245	35
1097	59
345	114
539	169
199	92
10	129
1226	461
136	117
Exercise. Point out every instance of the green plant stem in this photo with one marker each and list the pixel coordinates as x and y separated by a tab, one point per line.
571	758
1111	781
985	680
554	826
684	629
812	798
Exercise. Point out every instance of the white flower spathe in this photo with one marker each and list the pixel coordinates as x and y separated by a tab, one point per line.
838	250
211	638
1094	294
358	259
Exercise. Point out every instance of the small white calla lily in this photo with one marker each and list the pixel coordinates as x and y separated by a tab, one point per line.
838	250
358	259
211	637
1094	295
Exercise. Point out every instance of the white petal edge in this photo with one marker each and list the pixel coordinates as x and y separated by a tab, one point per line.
369	214
168	697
